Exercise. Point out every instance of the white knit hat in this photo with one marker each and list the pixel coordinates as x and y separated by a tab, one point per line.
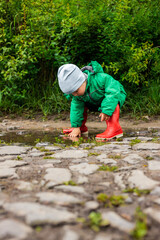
70	78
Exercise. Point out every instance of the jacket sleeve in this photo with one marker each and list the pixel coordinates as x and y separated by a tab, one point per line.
111	97
76	113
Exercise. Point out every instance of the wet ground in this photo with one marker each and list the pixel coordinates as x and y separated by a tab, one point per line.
54	188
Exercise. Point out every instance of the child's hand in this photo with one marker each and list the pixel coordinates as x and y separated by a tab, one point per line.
104	117
75	133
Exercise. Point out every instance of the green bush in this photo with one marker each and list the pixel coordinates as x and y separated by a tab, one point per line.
36	37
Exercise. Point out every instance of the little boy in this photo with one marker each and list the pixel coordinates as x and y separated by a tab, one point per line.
91	88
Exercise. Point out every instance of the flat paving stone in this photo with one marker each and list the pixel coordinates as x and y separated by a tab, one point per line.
146	146
71	154
13	150
7	157
84	168
118	179
156	191
57	175
12	164
113	147
157	201
103	158
74	189
58	198
53	148
91	205
153	213
10	228
141	181
36	214
154	165
8	173
36	154
118	222
133	158
82	179
105	236
24	186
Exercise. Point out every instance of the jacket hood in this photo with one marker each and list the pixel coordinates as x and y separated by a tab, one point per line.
96	67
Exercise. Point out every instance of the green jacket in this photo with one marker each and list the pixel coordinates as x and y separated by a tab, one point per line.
102	92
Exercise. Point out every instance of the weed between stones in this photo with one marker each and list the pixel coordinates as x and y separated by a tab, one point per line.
72	183
111	201
140	229
135	141
94	221
115	156
107	168
93	154
137	191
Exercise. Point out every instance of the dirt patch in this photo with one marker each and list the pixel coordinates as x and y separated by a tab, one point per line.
57	122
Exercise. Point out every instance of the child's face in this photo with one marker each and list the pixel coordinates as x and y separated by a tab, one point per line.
81	90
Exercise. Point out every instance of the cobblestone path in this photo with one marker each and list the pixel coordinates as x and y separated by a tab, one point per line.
84	192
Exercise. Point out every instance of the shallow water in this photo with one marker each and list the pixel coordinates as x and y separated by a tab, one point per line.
43	137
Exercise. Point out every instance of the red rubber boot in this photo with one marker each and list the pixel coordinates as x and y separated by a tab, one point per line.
113	127
83	128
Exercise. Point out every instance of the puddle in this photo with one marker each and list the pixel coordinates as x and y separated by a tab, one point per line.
45	138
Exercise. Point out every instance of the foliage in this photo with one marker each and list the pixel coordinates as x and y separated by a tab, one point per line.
96	221
139	192
110	201
36	37
108	168
140	230
72	183
135	141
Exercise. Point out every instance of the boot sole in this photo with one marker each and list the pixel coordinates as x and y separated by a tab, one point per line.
117	136
84	133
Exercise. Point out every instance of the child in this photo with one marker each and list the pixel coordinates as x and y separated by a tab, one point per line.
91	88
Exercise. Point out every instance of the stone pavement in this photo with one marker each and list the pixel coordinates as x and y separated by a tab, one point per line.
91	191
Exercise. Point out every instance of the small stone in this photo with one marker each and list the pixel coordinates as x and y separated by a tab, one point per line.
156	191
84	168
104	236
70	234
118	179
105	184
71	154
57	175
58	198
13	228
118	222
42	144
48	165
154	165
24	186
133	158
139	180
153	213
75	189
146	146
103	158
54	161
79	160
36	214
82	180
36	154
91	205
157	201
